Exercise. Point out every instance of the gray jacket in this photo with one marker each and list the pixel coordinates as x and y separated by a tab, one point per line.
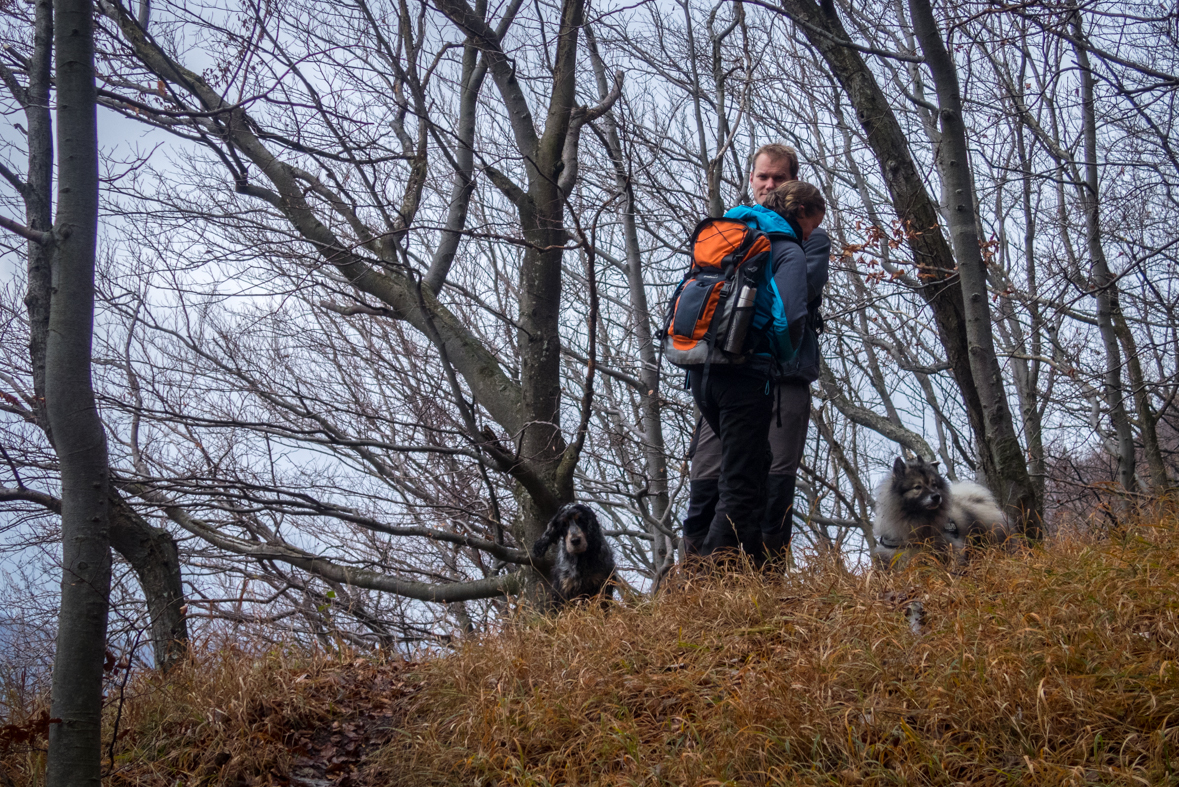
805	366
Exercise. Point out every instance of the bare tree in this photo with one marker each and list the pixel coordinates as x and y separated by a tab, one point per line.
953	157
390	290
527	408
965	334
75	743
150	551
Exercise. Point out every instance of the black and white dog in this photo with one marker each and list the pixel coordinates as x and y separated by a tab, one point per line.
916	508
585	564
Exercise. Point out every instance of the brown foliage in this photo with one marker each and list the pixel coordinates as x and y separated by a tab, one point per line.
27	732
1057	667
1053	667
231	719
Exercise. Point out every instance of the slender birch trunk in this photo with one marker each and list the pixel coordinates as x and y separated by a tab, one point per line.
663	555
75	743
1115	333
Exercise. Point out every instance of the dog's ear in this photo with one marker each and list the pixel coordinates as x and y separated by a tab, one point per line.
542	544
898	467
589	520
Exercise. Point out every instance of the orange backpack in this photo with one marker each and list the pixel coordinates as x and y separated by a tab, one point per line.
711	310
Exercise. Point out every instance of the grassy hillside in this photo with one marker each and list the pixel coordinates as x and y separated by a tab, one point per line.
1054	667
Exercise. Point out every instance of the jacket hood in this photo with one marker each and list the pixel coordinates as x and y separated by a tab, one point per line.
763	219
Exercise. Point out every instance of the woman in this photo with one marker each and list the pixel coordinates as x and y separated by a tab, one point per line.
737	401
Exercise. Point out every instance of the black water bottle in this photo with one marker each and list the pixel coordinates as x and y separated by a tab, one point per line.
742	316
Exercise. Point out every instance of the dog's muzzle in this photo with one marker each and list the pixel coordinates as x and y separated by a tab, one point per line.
575	540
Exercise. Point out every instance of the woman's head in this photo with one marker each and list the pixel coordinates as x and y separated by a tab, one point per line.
799	201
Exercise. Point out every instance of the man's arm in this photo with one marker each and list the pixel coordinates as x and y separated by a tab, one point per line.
818	261
790	276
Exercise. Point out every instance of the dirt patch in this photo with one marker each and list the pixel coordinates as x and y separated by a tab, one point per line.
372	702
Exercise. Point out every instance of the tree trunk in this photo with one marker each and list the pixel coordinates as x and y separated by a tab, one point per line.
1147	418
147	563
715	165
131	530
38	199
75	744
542	212
663	556
1109	314
1011	479
539	338
473	74
1033	425
153	555
715	206
912	203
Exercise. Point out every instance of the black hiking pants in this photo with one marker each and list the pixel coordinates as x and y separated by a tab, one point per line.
738	406
787	436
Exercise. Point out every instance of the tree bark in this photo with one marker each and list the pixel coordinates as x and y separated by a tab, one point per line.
541	211
714	165
1013	484
464	173
715	205
663	556
153	556
1160	481
1103	282
1033	425
542	443
75	744
38	199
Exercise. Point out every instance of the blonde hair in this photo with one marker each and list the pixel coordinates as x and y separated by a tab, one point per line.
795	199
778	152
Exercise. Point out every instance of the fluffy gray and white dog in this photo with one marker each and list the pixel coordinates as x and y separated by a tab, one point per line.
585	565
975	517
916	508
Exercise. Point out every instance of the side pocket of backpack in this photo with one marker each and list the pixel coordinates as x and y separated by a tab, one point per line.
693	318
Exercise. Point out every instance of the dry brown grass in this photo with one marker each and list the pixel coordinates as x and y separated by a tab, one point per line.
236	719
1057	667
1054	667
229	717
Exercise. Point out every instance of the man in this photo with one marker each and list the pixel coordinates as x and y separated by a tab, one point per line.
773	165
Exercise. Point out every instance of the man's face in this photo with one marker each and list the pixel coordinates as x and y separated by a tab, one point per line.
768	173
